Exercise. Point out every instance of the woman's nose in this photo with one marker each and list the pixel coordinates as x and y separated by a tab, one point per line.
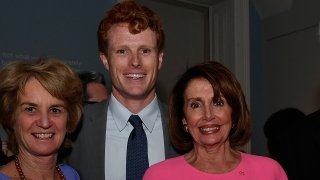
209	114
44	121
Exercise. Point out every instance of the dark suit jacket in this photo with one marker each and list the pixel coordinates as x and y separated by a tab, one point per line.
308	147
88	150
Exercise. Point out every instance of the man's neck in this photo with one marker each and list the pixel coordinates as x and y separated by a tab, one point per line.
135	105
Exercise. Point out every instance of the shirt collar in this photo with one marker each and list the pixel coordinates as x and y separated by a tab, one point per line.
121	114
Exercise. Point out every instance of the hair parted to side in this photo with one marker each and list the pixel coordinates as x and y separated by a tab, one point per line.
54	75
223	83
138	17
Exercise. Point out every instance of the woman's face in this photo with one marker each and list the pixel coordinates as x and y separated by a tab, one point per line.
208	122
40	120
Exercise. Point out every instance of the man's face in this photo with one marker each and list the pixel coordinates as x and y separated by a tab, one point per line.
133	62
96	92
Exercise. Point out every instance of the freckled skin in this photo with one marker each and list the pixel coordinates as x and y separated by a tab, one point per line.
128	55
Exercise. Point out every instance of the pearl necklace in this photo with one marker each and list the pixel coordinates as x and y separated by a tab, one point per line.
18	167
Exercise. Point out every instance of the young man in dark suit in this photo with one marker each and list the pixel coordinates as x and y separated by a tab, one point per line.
131	42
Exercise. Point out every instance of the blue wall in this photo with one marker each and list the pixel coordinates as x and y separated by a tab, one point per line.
64	29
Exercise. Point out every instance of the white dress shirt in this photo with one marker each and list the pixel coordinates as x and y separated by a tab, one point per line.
118	131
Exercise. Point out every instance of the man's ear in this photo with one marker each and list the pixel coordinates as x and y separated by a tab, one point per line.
104	60
160	58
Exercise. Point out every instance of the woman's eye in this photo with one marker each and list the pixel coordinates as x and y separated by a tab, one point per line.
56	110
219	102
30	109
195	105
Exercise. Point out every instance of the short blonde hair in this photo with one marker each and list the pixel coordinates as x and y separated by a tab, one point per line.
54	75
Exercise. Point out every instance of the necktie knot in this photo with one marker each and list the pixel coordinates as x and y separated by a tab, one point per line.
135	121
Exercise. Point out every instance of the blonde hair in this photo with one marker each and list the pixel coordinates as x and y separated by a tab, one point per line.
54	75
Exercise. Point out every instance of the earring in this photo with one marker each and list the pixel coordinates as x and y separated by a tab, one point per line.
184	122
185	125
